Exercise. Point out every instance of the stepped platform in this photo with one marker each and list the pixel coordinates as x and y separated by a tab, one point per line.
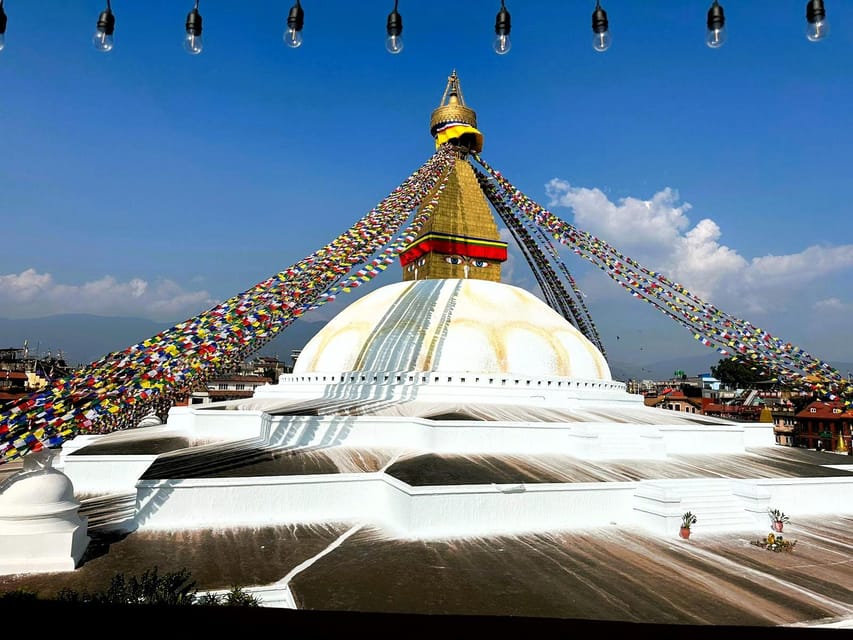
484	500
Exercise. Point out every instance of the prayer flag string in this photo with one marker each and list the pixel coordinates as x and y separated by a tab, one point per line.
117	391
730	336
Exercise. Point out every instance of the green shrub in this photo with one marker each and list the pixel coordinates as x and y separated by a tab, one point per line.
19	594
173	588
237	597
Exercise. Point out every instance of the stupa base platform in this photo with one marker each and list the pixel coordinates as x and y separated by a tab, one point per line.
601	574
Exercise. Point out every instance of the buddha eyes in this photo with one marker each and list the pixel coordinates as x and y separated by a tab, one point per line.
411	267
460	260
421	262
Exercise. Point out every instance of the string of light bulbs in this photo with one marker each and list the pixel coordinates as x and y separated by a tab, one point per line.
817	28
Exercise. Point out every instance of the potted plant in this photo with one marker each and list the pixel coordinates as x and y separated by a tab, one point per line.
777	519
687	521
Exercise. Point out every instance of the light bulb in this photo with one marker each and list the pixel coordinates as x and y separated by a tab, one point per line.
3	21
503	25
502	44
600	29
192	39
817	30
715	38
817	27
102	41
394	29
394	43
292	38
601	41
103	38
193	44
293	31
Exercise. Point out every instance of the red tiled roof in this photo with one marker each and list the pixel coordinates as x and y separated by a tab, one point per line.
677	396
825	410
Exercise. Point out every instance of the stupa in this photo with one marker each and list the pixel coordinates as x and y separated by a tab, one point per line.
451	444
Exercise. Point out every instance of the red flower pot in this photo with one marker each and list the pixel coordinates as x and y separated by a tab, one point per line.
684	532
777	525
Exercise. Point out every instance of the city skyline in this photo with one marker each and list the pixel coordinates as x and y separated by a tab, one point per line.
149	183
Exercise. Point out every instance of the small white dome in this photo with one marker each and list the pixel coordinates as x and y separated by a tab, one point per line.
452	326
151	420
38	489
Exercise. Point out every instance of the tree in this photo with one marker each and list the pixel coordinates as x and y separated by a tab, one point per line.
739	373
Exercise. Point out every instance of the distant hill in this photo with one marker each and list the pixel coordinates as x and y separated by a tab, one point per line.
663	369
84	338
691	365
80	337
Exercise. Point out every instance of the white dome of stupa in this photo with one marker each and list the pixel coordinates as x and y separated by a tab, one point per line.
453	325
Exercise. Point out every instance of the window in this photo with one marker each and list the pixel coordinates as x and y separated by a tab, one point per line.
812	410
240	386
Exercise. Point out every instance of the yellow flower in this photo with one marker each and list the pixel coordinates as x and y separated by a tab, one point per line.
771	539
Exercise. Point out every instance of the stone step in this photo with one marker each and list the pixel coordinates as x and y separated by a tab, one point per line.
718	517
660	504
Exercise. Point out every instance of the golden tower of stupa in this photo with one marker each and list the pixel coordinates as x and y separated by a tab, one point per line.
461	238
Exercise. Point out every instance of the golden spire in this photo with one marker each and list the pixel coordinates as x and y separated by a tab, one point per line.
461	238
453	120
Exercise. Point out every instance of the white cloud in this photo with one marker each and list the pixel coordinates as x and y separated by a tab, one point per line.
658	233
832	305
629	222
32	294
811	263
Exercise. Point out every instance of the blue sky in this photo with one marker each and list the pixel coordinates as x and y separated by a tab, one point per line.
147	182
